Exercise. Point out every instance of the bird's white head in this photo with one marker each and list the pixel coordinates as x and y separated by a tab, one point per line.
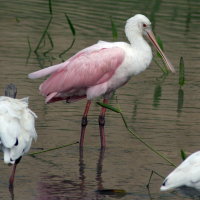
139	25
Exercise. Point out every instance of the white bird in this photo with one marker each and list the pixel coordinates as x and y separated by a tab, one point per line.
17	130
186	174
100	69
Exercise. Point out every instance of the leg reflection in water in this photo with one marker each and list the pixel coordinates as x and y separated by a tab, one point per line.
84	186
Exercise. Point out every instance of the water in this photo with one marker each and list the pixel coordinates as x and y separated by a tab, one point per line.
155	108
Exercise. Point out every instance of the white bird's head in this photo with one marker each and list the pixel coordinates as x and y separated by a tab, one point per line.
140	25
137	24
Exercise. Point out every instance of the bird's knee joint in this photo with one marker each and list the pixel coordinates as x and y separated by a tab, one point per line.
101	120
84	121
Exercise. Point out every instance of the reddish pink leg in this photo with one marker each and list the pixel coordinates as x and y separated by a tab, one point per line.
12	176
102	123
84	122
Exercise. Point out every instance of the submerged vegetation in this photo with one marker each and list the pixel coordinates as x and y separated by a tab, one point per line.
52	149
117	110
114	29
181	72
46	41
73	31
181	83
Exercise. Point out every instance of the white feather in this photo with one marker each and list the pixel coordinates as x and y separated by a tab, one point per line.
186	174
17	128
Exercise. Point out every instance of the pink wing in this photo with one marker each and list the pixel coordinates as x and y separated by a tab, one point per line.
49	70
84	71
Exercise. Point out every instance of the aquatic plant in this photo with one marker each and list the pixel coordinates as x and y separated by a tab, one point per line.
73	31
117	110
114	30
52	149
50	7
155	59
43	35
181	72
183	154
29	51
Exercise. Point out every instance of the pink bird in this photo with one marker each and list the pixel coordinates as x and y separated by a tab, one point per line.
100	69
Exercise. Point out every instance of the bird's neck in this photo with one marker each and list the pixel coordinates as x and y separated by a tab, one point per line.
139	42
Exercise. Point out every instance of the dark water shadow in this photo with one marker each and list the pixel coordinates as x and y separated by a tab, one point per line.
190	192
58	187
180	100
158	90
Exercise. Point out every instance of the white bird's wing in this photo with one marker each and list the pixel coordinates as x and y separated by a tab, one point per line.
186	174
17	127
9	123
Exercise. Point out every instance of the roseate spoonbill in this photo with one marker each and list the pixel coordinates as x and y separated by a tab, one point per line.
100	69
17	130
186	174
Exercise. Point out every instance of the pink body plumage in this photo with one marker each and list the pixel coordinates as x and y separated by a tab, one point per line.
71	80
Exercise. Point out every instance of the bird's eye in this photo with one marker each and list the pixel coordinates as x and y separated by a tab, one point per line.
144	25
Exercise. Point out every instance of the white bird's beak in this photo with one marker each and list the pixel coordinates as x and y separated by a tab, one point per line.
152	38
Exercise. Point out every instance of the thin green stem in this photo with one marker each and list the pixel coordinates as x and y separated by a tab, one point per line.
43	35
164	70
153	172
50	7
146	144
51	149
30	50
65	51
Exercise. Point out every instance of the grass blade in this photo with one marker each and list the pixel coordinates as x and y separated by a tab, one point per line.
30	50
43	35
109	107
51	44
183	154
51	149
70	25
73	33
181	72
134	134
50	7
114	29
157	95
163	69
66	50
180	100
160	43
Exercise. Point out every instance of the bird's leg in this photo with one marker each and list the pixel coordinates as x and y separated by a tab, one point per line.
102	123
84	122
11	91
12	176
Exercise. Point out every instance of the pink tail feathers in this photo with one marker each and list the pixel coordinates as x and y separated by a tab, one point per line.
47	71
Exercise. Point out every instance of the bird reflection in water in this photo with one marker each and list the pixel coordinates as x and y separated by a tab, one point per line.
54	187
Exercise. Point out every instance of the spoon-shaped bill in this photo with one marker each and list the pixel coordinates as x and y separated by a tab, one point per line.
152	38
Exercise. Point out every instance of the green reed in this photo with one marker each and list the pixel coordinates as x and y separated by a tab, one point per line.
73	31
71	25
183	154
50	7
52	149
43	35
50	42
29	51
161	66
133	133
114	29
181	72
